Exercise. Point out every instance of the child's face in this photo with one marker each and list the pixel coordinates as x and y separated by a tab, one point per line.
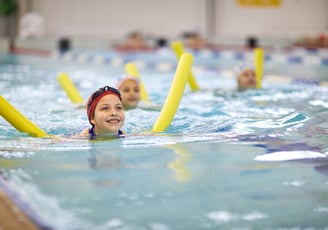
196	42
247	79
130	92
109	115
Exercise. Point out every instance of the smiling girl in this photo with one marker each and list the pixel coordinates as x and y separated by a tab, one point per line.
105	113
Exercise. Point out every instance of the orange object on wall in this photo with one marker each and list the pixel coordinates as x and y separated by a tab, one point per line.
259	3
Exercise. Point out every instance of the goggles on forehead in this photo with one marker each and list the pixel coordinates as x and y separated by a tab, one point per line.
102	90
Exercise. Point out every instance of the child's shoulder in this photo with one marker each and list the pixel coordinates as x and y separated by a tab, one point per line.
84	133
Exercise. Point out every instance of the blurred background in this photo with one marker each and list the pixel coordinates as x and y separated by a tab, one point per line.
102	24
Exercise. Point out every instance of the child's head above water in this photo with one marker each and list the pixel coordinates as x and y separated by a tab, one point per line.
105	111
129	87
246	77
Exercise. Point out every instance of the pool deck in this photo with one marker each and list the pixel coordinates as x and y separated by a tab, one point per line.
11	217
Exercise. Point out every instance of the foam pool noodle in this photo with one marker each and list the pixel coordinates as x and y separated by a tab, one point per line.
258	63
181	172
178	48
175	94
132	70
70	88
19	121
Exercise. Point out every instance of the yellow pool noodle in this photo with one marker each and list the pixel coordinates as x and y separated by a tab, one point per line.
17	120
258	62
178	48
70	88
132	70
175	94
182	173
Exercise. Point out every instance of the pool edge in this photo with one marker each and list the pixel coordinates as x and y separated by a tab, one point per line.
16	214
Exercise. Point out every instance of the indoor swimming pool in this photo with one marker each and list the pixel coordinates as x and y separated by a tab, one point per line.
229	160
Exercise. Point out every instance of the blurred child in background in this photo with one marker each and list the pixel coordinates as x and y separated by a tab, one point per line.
246	77
129	88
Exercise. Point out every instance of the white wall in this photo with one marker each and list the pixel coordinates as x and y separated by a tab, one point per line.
114	18
292	19
111	19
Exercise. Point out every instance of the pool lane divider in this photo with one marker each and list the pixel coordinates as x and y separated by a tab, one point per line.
132	70
178	48
175	93
18	120
259	63
70	89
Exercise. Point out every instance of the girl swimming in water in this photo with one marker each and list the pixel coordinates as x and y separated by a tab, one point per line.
105	113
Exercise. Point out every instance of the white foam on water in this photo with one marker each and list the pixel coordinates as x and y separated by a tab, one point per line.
289	155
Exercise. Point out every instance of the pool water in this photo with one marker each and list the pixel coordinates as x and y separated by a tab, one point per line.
229	160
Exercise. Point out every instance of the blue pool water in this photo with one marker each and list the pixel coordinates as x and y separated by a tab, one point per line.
249	160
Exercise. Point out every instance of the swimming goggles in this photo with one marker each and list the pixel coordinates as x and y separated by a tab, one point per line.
102	90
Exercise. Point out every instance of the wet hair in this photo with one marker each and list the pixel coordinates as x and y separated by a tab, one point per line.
240	68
